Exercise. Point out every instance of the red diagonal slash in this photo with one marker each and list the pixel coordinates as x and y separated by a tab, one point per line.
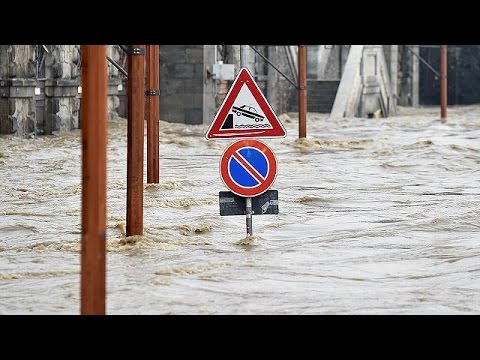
249	168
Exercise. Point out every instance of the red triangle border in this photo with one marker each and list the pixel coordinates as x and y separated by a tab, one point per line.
214	131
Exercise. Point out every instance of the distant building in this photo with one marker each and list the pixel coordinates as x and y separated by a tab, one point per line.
40	87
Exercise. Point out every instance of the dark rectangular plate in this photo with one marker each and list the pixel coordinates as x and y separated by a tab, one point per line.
263	204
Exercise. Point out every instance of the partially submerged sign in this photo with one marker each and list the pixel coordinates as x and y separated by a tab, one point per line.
248	167
264	204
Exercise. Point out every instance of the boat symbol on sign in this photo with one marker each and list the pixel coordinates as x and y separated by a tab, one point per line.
248	111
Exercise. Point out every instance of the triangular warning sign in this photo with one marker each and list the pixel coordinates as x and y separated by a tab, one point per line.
245	113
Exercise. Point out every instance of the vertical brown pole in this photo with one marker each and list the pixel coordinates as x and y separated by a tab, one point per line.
94	172
135	129
153	93
302	91
443	82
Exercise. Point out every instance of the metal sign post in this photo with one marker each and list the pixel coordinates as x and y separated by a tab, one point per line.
248	214
153	99
248	167
135	133
248	200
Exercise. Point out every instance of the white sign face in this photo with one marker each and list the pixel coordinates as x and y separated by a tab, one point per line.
247	114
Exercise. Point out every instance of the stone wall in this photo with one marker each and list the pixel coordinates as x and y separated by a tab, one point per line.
17	90
39	88
39	83
117	84
62	101
181	83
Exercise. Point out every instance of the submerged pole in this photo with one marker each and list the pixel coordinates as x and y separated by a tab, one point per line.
153	94
94	184
302	91
443	82
136	105
248	200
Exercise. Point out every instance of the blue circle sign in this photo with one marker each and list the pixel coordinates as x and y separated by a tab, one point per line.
248	168
241	175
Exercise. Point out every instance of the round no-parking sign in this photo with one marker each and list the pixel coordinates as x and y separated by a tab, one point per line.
248	167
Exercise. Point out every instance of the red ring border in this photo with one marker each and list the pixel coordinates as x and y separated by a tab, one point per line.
240	190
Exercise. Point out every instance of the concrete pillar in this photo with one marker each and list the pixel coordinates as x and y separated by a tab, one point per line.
280	93
415	76
211	88
17	90
349	94
312	61
370	79
294	55
62	101
315	59
251	63
273	94
323	56
333	62
404	95
115	85
234	56
117	99
393	78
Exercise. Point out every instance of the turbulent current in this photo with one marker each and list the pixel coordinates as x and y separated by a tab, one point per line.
376	216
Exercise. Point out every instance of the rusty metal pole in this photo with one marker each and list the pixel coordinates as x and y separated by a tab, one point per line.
302	91
153	94
135	129
443	82
94	183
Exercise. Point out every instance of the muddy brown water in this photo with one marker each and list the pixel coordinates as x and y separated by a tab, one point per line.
377	216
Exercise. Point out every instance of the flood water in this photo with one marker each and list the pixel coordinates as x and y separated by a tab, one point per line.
377	216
